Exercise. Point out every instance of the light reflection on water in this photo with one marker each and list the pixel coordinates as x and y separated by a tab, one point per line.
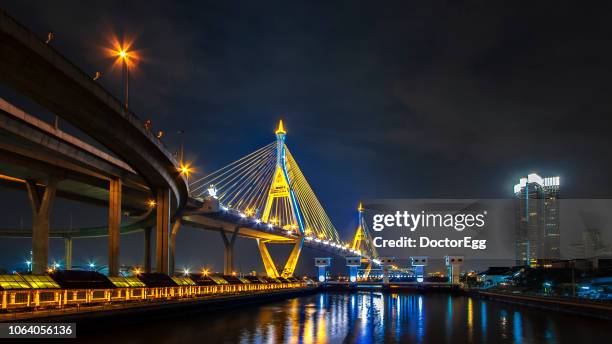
367	317
371	317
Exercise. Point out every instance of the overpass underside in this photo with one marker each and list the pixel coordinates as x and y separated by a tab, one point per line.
49	163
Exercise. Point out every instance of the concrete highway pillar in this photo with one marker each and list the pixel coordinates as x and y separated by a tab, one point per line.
147	249
161	232
68	253
41	208
176	226
114	225
228	254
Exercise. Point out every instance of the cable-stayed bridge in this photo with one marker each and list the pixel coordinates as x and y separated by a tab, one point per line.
264	195
267	191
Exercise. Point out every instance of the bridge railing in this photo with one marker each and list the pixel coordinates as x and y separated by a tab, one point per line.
64	298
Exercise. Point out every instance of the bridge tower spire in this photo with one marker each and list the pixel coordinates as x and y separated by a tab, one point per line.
362	242
360	239
281	185
281	189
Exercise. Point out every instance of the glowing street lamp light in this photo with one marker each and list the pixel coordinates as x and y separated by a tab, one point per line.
126	57
185	169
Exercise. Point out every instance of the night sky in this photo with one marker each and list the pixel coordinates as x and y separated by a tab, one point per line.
407	100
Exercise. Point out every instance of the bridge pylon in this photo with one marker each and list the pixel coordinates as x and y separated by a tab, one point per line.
362	242
274	201
281	191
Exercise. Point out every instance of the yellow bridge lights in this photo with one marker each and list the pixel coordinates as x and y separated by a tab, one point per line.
280	189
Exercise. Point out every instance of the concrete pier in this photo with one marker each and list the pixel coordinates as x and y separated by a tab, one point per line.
41	209
114	224
228	253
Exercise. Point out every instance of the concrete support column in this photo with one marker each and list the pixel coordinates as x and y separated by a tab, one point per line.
176	226
228	254
68	253
161	232
41	208
114	225
147	249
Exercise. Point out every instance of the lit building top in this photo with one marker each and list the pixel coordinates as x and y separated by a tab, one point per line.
535	178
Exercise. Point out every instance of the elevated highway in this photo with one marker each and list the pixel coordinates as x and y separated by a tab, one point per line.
36	70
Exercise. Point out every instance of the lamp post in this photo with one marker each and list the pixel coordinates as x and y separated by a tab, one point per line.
124	56
185	169
182	147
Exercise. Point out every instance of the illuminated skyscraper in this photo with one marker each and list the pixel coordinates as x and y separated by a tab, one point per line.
537	234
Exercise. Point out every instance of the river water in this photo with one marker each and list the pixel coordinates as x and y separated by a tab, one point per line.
366	317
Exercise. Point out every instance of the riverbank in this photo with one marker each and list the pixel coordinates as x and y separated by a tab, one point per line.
137	312
569	306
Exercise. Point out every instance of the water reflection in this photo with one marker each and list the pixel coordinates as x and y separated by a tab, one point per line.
366	317
518	328
483	320
470	320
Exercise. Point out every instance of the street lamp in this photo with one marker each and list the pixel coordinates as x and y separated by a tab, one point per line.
185	169
126	57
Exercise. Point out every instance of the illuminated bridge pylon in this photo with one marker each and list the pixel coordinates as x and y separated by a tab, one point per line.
269	186
362	242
